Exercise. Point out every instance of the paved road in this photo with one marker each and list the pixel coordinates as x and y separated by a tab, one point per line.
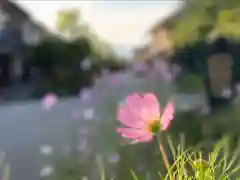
25	126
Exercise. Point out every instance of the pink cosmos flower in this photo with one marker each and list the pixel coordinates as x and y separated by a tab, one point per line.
49	100
141	114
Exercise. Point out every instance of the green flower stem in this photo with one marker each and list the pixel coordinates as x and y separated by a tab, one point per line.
164	156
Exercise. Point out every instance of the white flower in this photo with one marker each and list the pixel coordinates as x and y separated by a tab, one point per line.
46	171
88	114
86	64
226	93
46	150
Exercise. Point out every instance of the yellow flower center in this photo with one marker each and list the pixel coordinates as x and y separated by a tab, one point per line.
154	126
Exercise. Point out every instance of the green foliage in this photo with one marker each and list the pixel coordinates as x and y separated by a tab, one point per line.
67	21
59	62
54	53
187	163
71	24
4	166
196	147
228	23
205	17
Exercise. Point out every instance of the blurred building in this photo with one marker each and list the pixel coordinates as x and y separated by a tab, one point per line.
161	43
17	32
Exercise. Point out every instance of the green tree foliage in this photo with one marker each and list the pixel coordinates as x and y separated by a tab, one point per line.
201	19
59	64
71	24
67	21
59	59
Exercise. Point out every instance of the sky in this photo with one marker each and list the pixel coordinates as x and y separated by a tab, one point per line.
123	23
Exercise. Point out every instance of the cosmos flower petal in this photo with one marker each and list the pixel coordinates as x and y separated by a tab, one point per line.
128	118
131	132
138	105
133	100
150	102
145	138
167	116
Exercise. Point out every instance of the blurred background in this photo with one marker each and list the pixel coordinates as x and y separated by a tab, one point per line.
66	66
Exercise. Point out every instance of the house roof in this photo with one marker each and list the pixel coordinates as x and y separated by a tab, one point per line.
13	9
10	35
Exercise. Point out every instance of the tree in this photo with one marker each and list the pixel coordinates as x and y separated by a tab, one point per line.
199	19
70	23
67	21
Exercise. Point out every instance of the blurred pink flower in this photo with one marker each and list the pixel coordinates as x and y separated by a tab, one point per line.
142	116
49	100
